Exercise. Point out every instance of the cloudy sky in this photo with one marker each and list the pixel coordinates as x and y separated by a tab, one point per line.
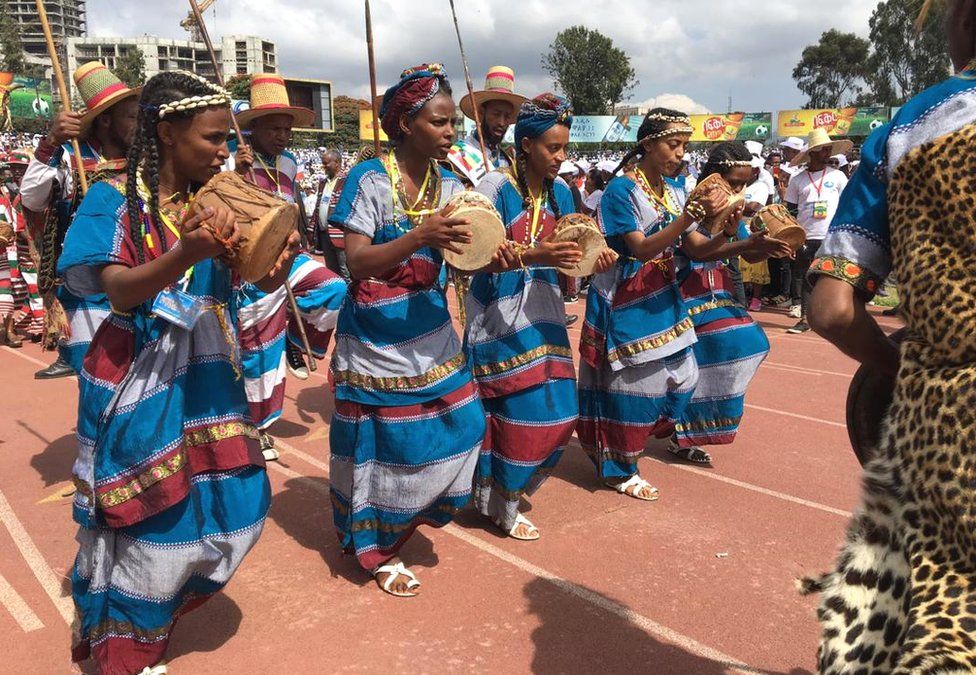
702	49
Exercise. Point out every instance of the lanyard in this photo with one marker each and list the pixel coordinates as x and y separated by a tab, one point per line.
535	226
273	175
817	187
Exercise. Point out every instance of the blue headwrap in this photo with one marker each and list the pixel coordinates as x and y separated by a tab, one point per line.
540	114
417	85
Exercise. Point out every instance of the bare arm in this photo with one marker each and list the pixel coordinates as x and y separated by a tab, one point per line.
837	314
647	247
756	248
366	259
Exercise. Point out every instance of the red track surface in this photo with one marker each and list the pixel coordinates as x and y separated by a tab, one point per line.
698	582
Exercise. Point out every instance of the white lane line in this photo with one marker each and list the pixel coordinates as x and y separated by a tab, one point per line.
292	450
796	415
757	488
647	625
17	352
18	608
811	371
46	577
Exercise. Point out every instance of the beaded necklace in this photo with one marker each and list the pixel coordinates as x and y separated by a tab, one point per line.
664	201
428	196
535	204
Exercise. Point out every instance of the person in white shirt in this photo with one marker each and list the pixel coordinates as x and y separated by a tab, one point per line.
812	197
755	149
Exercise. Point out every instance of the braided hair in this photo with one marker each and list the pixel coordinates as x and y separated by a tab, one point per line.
724	157
544	102
655	122
163	94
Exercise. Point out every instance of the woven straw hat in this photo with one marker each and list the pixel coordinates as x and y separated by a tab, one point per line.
269	97
819	138
100	89
499	86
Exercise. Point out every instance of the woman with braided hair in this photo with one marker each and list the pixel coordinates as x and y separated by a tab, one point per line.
172	491
637	370
408	423
730	345
516	338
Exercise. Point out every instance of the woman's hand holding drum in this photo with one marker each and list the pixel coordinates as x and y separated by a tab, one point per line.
208	233
440	230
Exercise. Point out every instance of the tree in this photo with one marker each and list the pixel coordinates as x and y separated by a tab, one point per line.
14	60
831	73
239	87
589	70
903	60
345	112
131	68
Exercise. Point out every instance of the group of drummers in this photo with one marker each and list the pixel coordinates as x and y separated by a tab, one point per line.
177	277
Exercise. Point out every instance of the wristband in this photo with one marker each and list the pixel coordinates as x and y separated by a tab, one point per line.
696	211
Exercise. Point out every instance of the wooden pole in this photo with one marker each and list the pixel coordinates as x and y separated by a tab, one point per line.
198	15
52	52
374	104
474	101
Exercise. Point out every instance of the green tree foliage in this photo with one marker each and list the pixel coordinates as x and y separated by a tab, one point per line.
587	67
905	61
10	44
130	68
239	87
345	112
831	72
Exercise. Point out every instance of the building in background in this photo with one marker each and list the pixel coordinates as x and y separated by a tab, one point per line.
67	18
628	109
237	54
314	94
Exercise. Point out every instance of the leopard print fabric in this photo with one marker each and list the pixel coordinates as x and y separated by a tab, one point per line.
902	598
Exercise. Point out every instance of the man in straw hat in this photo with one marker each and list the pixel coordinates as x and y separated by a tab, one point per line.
498	106
902	597
812	197
269	336
104	132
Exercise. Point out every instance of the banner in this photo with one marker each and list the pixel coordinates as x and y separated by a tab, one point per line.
837	121
623	128
366	127
25	97
732	127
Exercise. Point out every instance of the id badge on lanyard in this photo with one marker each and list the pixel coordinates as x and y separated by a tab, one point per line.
820	209
179	307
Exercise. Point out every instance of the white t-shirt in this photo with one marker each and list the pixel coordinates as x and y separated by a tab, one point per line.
758	192
592	200
816	196
767	179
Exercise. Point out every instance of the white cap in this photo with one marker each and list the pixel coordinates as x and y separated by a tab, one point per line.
758	162
583	165
607	165
794	143
841	160
755	148
568	167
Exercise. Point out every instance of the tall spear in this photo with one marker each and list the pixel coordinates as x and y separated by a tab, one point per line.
374	104
52	52
219	74
474	101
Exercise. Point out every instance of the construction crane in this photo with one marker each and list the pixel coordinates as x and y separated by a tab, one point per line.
190	22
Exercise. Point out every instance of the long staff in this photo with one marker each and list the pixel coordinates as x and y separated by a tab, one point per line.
474	101
218	73
374	104
62	91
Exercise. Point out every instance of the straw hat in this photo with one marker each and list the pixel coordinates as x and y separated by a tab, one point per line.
819	138
499	86
269	97
100	89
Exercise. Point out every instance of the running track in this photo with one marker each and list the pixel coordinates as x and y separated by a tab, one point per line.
700	582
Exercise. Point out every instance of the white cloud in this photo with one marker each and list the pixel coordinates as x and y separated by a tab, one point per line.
706	49
678	102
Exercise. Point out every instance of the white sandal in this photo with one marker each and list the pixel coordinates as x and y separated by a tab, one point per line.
534	533
395	571
158	669
270	454
640	484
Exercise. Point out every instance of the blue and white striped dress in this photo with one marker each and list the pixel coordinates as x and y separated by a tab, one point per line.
172	491
408	423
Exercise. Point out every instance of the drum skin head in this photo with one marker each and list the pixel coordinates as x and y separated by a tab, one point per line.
584	231
265	242
868	399
487	231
